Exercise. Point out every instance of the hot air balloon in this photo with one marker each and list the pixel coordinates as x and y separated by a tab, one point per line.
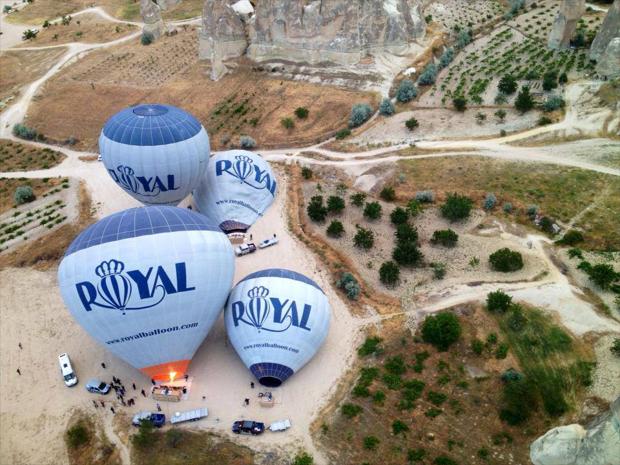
157	153
238	188
148	283
276	320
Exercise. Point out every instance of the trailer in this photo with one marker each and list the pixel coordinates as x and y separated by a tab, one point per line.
281	425
189	415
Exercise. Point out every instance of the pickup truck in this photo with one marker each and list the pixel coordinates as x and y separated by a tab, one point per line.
245	249
157	419
248	427
190	415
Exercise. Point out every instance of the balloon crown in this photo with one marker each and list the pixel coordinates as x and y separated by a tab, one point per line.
109	268
258	292
244	158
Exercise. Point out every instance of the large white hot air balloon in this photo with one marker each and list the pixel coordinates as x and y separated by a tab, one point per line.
157	153
238	188
276	320
148	283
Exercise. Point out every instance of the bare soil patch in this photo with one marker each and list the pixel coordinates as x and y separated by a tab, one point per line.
40	10
20	157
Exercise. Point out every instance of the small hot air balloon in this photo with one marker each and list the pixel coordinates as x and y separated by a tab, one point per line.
148	283
157	153
238	188
276	320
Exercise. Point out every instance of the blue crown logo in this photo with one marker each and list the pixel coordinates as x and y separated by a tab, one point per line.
109	268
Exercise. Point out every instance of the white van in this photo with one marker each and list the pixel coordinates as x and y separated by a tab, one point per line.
66	370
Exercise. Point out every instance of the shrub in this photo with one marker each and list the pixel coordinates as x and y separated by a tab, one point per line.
343	133
349	284
413	206
544	120
388	194
498	301
477	346
416	455
303	458
429	75
456	207
316	210
441	330
395	365
524	101
603	275
406	233
358	199
364	238
517	319
302	112
436	398
146	38
463	38
550	80
173	437
439	270
370	346
392	381
407	254
371	442
335	204
511	375
406	91
445	237
500	98
335	229
246	142
372	210
501	352
306	173
446	57
386	108
571	237
23	194
507	84
460	103
350	410
287	123
553	102
490	201
411	123
399	427
399	216
575	252
389	273
29	34
507	207
77	435
506	260
500	115
425	196
615	347
24	132
145	437
360	113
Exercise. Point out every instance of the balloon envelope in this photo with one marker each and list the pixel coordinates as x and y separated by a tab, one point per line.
238	188
148	283
156	153
276	320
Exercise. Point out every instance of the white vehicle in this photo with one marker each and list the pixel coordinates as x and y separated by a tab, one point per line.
268	243
99	158
245	249
190	415
66	370
281	425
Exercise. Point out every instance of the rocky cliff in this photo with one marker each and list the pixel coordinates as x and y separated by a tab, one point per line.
151	15
610	29
565	23
223	33
598	444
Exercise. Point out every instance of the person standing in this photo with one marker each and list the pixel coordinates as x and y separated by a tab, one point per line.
103	365
143	393
134	386
19	372
112	410
158	407
20	345
252	384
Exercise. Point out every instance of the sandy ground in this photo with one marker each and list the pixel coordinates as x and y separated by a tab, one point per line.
32	435
606	383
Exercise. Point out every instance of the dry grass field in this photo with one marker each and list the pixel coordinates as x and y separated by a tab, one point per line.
241	103
39	187
20	157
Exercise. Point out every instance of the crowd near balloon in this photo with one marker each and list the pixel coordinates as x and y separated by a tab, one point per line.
148	283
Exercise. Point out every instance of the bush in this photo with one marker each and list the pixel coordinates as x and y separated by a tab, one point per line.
575	252
460	103
445	237
399	216
335	204
406	233
441	330
407	254
29	34
287	123
507	84
436	398
506	260
306	173
173	437
24	132
425	196
360	113
603	275
571	237
490	201
413	206
358	199
544	120
399	427
406	91
388	194
439	270
446	57
456	207
302	112
463	38
246	142
429	75
23	194
350	410
372	210
303	458
553	102
343	133
517	319
615	347
498	301
371	442
443	460
416	455
411	123
335	229
386	108
524	101
477	346
364	238
501	352
316	210
147	38
550	80
500	115
370	346
389	273
507	207
145	437
77	435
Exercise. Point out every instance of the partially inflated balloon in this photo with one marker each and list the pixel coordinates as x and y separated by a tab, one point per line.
148	283
238	188
276	320
157	153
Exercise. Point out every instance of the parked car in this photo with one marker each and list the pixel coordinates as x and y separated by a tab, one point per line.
245	249
157	419
268	243
97	387
248	427
66	370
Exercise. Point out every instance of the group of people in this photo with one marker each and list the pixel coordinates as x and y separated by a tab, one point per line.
121	391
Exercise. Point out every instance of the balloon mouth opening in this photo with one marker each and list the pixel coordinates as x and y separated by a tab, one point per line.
270	381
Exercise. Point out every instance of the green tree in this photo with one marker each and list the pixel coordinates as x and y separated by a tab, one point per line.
386	108
147	38
335	204
389	273
23	194
407	254
306	173
603	275
563	78
406	233
506	260
388	194
406	91
372	210
441	330
350	410
460	103
445	237
399	427
412	123
303	458
524	101
316	210
358	199
349	284
145	437
29	34
428	75
287	123
507	84
77	435
360	113
456	207
399	216
302	112
500	115
414	207
371	442
335	229
498	301
550	80
364	238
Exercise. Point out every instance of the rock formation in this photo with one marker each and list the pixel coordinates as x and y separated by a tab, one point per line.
608	64
151	15
599	444
565	23
610	29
